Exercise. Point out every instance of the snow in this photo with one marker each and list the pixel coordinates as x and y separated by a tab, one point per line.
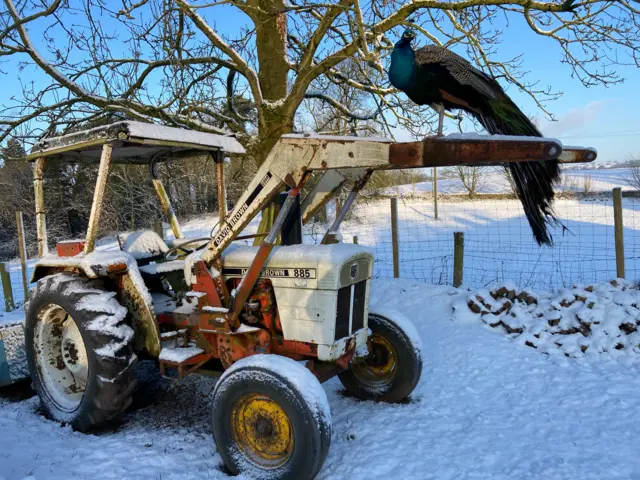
164	267
493	181
500	138
295	254
588	322
246	328
338	138
208	309
405	324
179	354
141	130
486	407
143	244
228	143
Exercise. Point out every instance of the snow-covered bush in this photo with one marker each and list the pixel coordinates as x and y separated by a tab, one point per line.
578	321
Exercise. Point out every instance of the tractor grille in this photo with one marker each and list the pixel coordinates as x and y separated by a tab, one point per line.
350	312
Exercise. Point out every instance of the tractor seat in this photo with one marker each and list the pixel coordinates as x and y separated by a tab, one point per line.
148	249
145	246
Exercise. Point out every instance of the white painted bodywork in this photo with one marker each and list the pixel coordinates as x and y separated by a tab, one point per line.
306	279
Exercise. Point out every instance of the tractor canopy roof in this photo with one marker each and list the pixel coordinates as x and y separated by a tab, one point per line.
134	142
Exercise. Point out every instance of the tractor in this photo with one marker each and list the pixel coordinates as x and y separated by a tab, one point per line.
276	319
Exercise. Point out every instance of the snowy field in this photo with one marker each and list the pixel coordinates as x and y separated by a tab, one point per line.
493	181
486	407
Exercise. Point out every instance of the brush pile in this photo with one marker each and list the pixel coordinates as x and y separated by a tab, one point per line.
577	322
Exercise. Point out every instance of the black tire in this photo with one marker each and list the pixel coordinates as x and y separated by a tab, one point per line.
281	381
108	343
391	371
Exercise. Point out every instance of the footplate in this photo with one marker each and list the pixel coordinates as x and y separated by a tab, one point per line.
185	360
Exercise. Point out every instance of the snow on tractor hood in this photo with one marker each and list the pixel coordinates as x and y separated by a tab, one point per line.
320	266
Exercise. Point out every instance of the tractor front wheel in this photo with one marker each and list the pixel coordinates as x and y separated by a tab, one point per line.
393	367
271	419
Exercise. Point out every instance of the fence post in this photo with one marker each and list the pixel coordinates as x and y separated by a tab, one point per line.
23	254
435	193
394	237
158	228
458	258
9	305
619	231
355	239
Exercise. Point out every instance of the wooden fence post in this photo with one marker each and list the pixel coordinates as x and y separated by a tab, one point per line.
435	193
458	258
158	228
9	304
619	231
23	254
394	237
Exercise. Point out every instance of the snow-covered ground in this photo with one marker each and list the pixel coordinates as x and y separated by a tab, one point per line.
486	407
494	181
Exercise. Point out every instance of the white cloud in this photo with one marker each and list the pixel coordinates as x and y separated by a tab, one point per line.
574	119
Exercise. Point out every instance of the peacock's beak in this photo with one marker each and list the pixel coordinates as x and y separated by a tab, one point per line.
410	35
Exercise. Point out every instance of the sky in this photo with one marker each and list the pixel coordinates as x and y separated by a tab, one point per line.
600	117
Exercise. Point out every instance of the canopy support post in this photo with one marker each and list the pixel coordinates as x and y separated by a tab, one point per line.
41	222
98	197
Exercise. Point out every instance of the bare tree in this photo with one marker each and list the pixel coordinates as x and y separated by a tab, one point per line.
506	174
165	60
472	178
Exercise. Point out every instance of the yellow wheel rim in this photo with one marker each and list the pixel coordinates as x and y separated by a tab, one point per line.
380	367
261	430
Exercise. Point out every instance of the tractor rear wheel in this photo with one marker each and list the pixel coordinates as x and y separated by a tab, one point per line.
79	351
393	367
271	419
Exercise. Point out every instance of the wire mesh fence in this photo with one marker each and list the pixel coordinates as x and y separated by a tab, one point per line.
498	242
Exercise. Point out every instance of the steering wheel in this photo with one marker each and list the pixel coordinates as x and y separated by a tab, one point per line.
182	246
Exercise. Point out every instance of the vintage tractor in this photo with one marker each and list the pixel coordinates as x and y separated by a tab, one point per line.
255	312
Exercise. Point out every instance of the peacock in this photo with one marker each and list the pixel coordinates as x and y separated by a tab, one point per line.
435	76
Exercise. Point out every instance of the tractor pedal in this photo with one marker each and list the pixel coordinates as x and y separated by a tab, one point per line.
180	358
175	338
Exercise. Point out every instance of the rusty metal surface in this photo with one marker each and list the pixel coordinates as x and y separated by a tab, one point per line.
331	181
165	201
447	151
147	331
578	155
69	248
332	232
222	191
41	222
98	196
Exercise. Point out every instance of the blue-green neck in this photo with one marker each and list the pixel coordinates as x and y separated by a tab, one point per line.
402	65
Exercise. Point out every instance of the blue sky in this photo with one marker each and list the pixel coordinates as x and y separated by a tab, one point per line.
605	118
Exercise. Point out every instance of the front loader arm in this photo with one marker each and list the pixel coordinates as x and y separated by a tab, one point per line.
287	164
295	155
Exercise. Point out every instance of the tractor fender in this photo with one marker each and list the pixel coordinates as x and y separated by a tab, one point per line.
130	288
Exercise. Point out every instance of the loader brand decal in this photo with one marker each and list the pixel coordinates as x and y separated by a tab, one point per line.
228	228
274	272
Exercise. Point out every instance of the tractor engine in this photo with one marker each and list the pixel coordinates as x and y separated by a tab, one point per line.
260	309
317	294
